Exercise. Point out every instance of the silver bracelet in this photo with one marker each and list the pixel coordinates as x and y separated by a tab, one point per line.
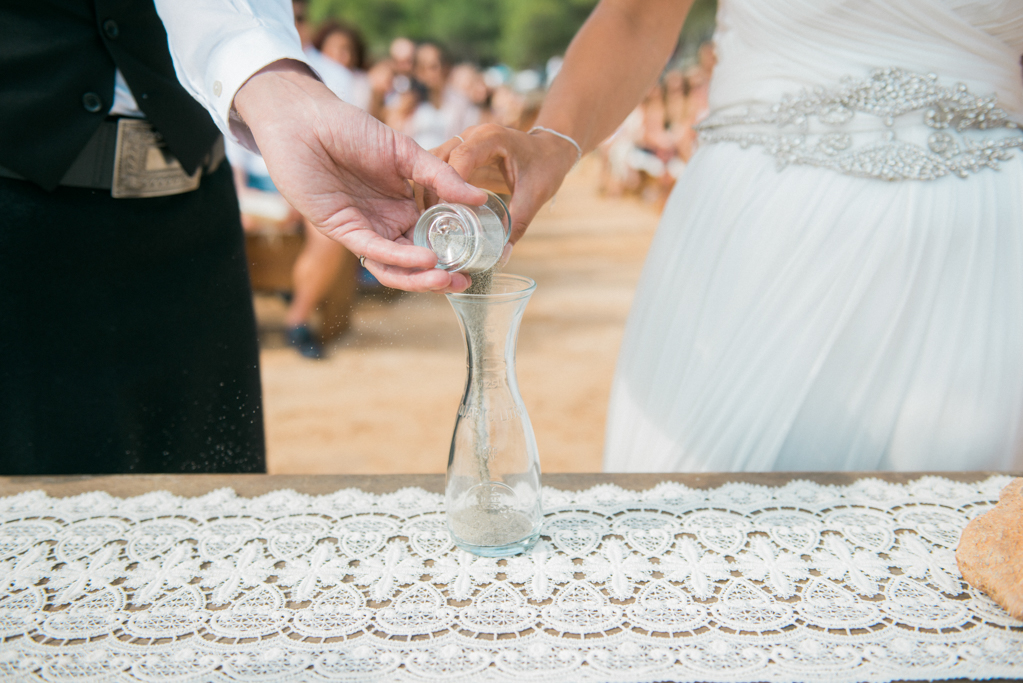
578	149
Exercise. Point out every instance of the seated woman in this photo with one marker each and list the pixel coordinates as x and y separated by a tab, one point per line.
318	264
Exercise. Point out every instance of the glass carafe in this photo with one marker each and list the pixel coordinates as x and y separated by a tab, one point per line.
493	479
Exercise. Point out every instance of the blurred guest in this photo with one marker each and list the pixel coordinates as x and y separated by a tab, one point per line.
334	76
699	81
402	106
381	82
263	209
305	29
445	111
680	113
468	80
344	45
402	57
641	155
507	107
676	96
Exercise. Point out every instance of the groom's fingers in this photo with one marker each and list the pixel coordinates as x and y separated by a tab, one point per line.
431	280
366	242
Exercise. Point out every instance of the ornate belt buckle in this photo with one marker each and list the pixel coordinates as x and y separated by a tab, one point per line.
144	167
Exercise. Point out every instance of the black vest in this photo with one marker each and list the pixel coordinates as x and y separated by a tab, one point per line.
57	63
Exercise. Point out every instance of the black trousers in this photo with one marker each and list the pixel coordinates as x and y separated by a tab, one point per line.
127	336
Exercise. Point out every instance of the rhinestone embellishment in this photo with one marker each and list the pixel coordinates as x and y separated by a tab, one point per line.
886	94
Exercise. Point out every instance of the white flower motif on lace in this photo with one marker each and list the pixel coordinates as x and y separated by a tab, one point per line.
914	559
780	570
699	570
152	578
862	568
384	573
540	570
614	566
461	572
25	570
95	572
323	568
228	576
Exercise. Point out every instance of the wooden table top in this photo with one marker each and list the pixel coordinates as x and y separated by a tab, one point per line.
123	485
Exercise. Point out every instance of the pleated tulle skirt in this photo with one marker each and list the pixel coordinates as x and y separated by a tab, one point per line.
801	319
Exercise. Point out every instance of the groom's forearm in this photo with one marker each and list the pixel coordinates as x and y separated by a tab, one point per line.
612	62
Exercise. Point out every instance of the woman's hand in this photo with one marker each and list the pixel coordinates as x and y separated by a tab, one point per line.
348	173
529	167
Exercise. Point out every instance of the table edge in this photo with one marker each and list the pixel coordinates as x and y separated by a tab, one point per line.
249	485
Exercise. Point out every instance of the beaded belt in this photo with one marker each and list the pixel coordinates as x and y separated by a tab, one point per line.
811	128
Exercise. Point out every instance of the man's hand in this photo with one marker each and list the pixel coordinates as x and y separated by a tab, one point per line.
348	173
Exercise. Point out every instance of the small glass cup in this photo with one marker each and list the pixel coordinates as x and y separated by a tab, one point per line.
466	239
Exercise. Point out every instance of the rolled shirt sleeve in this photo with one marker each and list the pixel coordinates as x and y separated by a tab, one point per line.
216	45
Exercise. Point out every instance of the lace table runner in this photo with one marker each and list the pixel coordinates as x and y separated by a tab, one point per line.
740	583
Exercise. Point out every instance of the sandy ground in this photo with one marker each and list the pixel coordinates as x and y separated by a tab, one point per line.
384	400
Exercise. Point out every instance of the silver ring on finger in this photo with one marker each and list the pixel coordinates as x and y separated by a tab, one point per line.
460	138
362	260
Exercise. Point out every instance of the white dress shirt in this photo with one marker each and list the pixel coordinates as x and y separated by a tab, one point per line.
216	45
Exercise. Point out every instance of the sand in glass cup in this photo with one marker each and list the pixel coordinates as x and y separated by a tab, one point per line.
493	479
466	239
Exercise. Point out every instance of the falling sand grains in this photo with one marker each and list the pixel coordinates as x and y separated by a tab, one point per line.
476	319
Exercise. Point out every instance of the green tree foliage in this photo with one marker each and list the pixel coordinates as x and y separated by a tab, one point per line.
468	29
520	33
535	30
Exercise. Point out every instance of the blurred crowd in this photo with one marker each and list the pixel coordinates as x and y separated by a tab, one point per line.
652	146
417	90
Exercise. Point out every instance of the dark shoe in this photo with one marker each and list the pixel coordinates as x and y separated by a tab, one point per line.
302	339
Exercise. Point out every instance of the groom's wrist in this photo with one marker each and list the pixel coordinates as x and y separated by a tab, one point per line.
267	89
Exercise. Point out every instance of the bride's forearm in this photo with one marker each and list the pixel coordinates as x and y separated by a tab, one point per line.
612	62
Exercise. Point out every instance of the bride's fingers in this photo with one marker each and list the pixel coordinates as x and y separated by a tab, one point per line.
443	151
523	207
486	145
505	255
491	178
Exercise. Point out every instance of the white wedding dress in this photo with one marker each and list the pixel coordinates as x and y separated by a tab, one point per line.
837	280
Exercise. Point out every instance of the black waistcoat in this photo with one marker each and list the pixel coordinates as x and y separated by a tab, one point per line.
57	63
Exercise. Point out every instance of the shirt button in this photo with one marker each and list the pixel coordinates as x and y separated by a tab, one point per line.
92	102
111	28
217	88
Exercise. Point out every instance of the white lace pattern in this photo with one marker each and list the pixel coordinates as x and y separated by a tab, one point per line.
740	583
